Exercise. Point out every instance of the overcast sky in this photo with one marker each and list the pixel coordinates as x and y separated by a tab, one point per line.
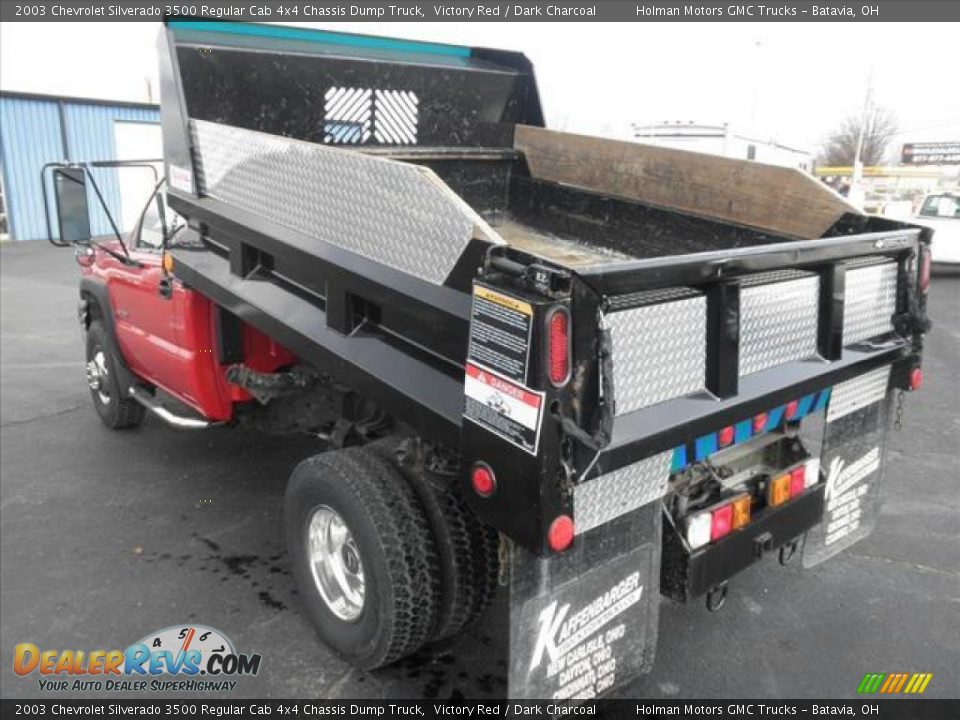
790	82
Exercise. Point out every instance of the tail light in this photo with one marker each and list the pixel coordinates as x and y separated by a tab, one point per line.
811	472
698	530
558	342
759	422
798	481
726	435
791	410
483	480
711	525
916	379
925	261
741	511
560	533
778	490
721	521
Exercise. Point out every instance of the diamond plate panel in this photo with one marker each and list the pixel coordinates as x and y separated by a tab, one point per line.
870	302
398	214
609	496
851	395
778	323
659	352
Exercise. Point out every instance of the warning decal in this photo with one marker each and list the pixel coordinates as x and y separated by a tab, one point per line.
503	407
500	328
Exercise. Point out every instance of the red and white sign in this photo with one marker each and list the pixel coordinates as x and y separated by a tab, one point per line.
503	407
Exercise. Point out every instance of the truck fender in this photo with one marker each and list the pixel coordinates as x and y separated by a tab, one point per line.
95	303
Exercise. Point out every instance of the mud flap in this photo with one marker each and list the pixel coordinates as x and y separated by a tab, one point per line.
852	459
585	621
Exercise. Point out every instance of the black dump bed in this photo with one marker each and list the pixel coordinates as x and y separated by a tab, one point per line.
347	191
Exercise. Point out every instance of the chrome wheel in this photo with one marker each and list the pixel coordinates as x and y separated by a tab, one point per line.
97	374
335	563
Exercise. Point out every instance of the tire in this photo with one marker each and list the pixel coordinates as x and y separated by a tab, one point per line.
116	410
468	550
389	534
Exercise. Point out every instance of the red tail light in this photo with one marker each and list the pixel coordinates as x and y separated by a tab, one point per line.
483	480
759	422
798	481
561	532
727	435
792	407
916	379
558	330
925	261
721	522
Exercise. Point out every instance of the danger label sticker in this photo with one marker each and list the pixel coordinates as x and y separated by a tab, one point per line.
500	328
503	407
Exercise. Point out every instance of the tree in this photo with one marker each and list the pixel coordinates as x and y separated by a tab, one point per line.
879	126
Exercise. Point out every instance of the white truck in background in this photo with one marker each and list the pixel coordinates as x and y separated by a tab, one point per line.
941	213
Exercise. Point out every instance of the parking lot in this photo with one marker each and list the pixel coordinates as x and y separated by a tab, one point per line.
109	536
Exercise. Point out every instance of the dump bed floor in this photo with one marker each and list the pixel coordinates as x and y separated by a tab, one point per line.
550	246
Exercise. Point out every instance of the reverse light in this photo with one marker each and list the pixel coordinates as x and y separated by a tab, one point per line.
698	530
925	262
558	360
916	379
726	435
798	481
741	511
483	480
759	422
778	490
811	472
560	534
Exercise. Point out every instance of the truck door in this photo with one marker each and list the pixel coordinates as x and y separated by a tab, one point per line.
146	320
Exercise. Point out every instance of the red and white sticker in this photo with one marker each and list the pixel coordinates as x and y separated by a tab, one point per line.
503	407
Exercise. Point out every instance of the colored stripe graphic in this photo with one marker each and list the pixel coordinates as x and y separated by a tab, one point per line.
894	683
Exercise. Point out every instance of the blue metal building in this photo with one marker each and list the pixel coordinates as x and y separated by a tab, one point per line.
37	129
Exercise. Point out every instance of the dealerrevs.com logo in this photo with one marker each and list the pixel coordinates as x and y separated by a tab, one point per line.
186	658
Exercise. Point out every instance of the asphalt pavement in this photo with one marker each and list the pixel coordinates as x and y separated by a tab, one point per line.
107	536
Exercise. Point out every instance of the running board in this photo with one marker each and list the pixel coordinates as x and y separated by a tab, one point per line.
151	404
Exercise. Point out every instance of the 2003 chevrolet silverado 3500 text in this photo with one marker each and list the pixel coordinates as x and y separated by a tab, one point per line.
587	372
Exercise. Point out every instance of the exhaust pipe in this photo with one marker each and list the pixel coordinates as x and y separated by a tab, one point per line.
151	404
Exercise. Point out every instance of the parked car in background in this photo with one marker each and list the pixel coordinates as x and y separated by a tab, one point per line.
941	213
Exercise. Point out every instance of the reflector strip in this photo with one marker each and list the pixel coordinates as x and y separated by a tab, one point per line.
707	445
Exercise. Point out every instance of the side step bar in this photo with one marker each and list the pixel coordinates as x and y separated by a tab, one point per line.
151	404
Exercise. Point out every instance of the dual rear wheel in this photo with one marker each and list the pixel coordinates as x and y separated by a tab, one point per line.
386	559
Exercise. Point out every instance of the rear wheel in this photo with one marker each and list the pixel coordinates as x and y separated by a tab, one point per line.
467	550
363	556
115	409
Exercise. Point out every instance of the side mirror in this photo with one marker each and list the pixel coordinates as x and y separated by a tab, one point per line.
73	212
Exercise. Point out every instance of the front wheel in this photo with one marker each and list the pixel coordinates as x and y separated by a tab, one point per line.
111	402
363	556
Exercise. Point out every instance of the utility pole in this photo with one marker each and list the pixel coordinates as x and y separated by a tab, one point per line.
857	194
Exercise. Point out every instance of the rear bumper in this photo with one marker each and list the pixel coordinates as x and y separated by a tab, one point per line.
685	575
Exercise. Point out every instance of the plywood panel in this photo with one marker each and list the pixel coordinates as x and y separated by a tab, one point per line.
776	199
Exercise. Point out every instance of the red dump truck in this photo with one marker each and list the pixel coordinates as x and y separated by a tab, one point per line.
582	373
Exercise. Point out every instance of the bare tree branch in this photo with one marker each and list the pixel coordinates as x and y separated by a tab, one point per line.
881	126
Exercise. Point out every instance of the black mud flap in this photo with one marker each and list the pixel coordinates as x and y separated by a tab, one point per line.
585	621
852	459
